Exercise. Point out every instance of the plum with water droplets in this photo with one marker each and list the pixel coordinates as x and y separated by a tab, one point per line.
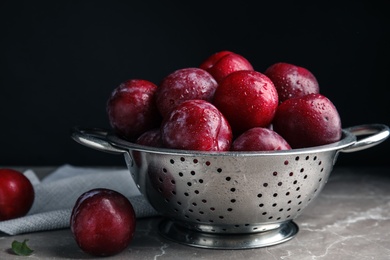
223	63
247	99
131	109
102	222
184	84
291	80
196	125
308	121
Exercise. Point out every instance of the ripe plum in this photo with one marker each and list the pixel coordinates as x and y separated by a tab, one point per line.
196	125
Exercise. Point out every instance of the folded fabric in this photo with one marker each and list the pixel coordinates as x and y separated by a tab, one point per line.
56	194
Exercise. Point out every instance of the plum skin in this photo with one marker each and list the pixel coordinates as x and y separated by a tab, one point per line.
131	109
102	222
223	63
184	84
211	60
260	139
150	138
16	194
196	125
308	121
247	99
291	80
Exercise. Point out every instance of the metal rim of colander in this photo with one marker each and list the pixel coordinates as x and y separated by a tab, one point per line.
347	139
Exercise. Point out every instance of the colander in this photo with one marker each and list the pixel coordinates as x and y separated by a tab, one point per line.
230	200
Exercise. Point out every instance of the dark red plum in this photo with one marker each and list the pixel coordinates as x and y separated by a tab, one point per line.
103	222
196	125
247	99
150	138
223	63
16	194
184	84
260	139
308	121
212	59
131	109
292	81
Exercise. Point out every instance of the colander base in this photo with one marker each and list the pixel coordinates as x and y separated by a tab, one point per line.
182	235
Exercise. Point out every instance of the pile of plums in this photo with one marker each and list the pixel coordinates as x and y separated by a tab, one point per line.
224	104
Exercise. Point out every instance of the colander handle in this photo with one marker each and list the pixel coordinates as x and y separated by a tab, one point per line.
95	138
376	133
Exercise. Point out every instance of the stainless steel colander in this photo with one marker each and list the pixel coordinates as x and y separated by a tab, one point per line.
230	200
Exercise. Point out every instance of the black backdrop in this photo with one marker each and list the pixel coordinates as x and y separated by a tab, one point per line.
60	60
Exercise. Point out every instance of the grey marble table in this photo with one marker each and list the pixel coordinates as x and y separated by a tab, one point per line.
350	219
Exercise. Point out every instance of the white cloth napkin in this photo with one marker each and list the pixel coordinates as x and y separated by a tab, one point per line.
56	194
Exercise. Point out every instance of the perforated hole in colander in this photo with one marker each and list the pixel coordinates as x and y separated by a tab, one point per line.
297	200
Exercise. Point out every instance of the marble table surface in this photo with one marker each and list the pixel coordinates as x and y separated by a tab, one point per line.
350	219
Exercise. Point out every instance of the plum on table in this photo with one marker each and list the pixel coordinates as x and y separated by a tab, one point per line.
16	194
102	222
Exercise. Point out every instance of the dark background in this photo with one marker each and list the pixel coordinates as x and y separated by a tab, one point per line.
60	60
